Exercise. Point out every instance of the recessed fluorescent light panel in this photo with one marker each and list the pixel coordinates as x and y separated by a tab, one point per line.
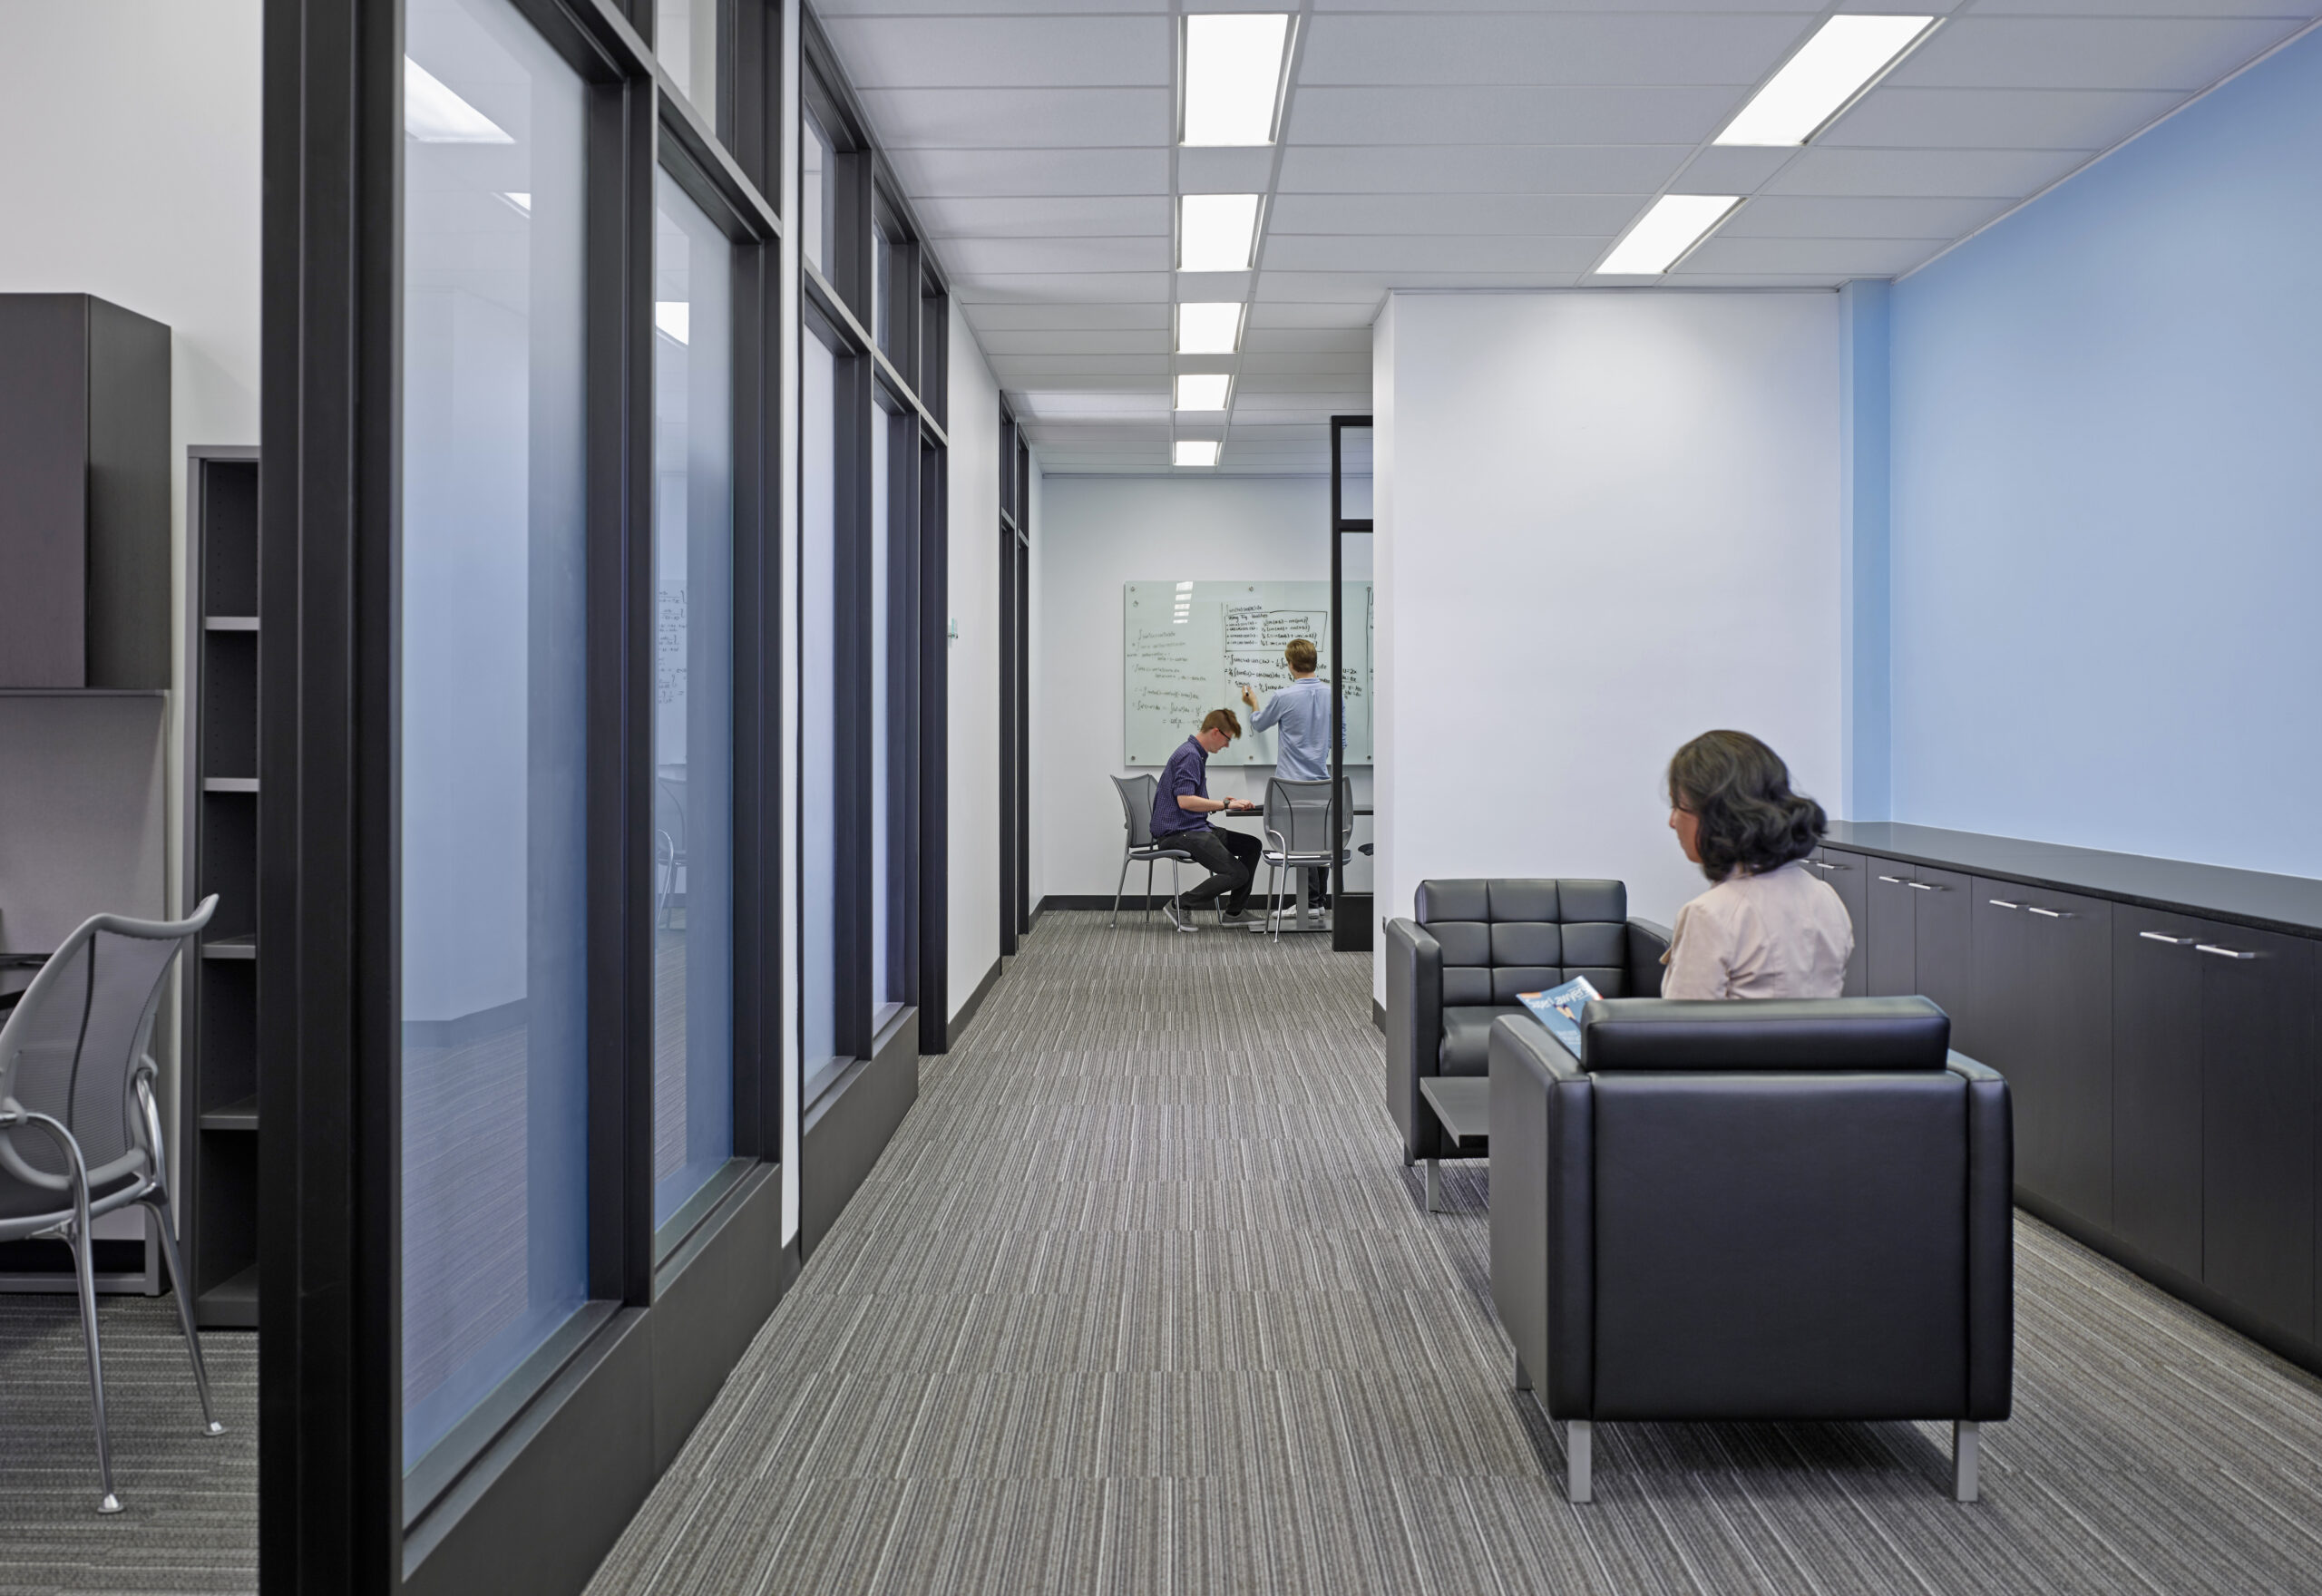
432	114
1217	232
522	204
675	317
1845	57
1209	328
1191	452
1675	225
1234	77
1202	389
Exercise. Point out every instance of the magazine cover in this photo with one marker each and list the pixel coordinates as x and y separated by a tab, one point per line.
1558	1009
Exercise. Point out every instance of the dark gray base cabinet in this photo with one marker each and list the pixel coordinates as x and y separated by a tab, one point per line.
2166	1066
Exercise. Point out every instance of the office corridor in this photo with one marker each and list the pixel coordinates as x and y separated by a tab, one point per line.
1140	1299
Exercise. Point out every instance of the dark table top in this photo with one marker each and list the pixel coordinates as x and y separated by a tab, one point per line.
1462	1104
2281	903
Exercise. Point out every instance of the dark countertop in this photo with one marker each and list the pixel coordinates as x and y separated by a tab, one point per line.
2246	897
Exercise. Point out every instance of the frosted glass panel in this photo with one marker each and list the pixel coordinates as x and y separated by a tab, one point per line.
882	962
817	752
693	698
494	877
684	36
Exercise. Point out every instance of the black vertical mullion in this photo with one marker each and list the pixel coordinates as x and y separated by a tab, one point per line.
1008	733
620	410
756	803
329	1059
1020	805
850	921
933	729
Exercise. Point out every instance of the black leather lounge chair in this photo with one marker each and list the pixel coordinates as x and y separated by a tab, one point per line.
1471	946
1753	1211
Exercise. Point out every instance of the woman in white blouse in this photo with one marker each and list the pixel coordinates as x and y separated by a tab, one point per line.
1769	928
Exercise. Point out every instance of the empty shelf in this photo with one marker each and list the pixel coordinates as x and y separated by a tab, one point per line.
234	1116
242	947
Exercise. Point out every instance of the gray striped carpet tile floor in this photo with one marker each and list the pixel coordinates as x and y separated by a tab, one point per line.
1141	1299
189	1518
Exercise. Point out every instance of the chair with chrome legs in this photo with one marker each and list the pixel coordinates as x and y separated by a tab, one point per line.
1137	812
1298	836
80	1128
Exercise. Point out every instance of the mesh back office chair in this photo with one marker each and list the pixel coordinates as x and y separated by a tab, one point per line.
1136	795
80	1130
1298	835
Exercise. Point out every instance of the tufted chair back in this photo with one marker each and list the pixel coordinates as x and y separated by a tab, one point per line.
1501	936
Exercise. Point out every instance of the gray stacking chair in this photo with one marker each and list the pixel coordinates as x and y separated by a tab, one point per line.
668	838
1298	836
80	1129
1136	793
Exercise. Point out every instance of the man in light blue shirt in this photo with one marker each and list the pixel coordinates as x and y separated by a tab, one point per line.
1301	715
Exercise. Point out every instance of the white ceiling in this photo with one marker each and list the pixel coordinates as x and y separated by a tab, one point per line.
1462	145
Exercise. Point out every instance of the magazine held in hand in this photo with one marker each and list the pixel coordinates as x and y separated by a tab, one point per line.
1558	1009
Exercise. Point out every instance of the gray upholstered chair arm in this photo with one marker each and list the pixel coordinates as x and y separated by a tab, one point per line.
1414	1032
1543	1215
1647	942
1991	1240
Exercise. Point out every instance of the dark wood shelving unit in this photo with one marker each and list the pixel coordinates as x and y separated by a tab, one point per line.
218	1075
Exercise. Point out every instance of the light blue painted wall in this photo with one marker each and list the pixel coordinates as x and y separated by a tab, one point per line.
2107	499
1866	695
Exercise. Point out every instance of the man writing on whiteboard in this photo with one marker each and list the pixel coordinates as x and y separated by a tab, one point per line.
1303	712
1181	810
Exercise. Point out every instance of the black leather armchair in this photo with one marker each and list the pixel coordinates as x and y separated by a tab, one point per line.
1472	945
1753	1211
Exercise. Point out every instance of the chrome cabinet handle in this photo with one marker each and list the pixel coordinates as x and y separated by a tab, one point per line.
1896	879
1923	886
2165	937
2220	952
2002	903
2051	913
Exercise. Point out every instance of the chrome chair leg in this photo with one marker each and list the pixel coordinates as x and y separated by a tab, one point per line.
1148	885
1967	1446
159	1204
84	1266
1579	1435
1117	888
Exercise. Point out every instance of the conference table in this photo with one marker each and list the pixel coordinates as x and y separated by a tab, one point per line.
1296	924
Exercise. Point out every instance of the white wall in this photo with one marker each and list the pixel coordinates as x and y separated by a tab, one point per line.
132	133
1036	734
1607	521
131	127
1098	533
972	425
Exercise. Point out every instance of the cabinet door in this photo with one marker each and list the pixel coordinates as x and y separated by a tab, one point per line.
2257	1153
2157	1084
2003	987
1943	941
2068	1001
1849	876
1893	968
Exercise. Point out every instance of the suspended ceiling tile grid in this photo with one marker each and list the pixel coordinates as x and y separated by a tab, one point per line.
1465	145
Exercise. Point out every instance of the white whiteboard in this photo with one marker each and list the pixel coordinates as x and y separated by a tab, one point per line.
1188	646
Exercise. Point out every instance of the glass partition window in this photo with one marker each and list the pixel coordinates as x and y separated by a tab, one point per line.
884	966
817	707
693	698
493	881
684	36
817	194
